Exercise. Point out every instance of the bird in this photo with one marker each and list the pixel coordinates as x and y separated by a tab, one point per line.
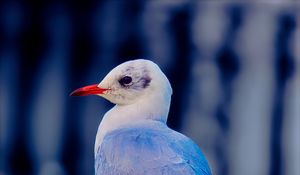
133	137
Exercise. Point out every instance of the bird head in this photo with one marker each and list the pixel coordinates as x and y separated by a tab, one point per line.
129	82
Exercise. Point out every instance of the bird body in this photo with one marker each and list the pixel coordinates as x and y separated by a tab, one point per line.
149	148
133	137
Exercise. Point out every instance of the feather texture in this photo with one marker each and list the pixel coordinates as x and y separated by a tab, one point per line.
150	148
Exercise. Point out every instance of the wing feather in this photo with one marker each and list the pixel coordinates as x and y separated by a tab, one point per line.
148	150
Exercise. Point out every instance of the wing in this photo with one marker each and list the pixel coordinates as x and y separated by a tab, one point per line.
149	151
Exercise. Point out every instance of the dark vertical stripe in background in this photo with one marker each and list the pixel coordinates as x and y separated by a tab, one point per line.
179	72
284	68
234	69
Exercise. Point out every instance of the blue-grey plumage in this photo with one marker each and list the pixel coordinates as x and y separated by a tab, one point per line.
151	148
133	137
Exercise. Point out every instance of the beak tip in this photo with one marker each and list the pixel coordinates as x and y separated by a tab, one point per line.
78	93
73	94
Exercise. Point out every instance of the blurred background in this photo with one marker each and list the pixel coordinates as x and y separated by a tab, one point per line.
234	68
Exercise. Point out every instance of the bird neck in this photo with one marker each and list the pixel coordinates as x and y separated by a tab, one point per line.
151	108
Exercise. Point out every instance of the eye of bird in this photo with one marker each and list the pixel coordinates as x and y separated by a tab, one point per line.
125	80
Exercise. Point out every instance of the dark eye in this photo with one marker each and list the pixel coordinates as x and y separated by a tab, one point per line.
125	80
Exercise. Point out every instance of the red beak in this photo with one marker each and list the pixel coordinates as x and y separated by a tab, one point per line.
88	90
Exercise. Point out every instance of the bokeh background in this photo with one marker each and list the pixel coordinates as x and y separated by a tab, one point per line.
234	68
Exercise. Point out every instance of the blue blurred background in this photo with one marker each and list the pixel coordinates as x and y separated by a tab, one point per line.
234	68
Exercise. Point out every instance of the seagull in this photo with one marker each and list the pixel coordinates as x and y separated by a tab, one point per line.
133	137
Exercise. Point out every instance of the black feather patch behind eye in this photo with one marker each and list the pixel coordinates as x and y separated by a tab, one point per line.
125	80
146	81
